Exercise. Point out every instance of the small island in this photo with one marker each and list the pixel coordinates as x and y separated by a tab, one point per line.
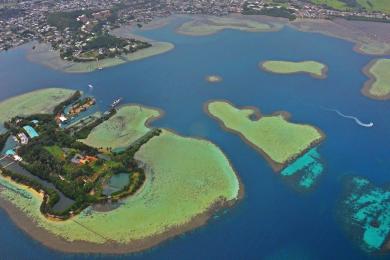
60	176
313	68
378	86
278	140
207	25
214	79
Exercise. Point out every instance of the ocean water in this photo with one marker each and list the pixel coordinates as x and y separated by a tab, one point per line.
273	221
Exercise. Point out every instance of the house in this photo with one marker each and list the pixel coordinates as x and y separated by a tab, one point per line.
23	138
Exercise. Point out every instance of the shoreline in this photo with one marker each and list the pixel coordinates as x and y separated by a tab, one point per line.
324	70
273	23
50	240
369	83
276	167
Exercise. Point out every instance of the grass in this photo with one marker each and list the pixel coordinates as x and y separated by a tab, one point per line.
313	68
379	85
41	101
211	25
184	177
56	151
280	140
121	130
370	5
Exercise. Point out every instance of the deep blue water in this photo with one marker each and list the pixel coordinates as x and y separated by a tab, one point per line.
273	221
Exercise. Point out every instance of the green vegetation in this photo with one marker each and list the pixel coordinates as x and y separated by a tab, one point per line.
121	130
42	101
211	25
378	87
75	169
275	12
369	5
63	20
279	140
313	68
181	173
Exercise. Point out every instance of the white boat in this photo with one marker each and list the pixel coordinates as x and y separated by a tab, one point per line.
116	102
90	86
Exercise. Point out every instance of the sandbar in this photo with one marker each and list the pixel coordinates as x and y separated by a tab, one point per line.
207	25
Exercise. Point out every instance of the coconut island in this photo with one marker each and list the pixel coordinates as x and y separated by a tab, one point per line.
278	140
313	68
378	86
58	180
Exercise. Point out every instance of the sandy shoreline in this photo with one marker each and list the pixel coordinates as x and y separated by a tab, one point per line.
277	167
324	71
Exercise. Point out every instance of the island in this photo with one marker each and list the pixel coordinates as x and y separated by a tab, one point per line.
378	86
58	186
207	25
364	212
214	79
313	68
278	140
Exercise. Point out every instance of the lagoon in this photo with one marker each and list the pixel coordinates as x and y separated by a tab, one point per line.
272	220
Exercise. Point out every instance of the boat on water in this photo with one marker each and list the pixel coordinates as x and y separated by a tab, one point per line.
90	86
116	102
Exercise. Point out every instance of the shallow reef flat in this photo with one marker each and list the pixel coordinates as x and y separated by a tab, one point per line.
206	25
41	101
187	180
125	127
304	172
313	68
364	211
369	38
378	86
280	141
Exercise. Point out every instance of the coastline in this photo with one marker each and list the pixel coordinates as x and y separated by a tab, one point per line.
44	55
52	241
371	80
237	22
31	227
276	167
324	70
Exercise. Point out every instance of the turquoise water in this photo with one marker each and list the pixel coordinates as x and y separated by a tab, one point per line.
274	220
366	213
306	169
116	183
30	131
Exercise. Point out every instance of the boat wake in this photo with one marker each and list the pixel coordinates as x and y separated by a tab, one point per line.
371	124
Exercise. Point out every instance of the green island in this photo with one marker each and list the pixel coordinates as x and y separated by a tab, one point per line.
278	140
364	212
313	68
201	26
54	185
378	86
